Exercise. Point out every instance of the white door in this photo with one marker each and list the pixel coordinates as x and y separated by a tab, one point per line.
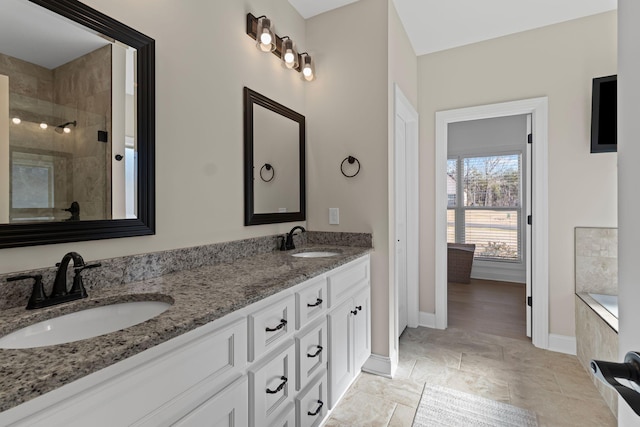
401	221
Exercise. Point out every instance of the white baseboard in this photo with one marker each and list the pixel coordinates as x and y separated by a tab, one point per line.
378	365
427	320
562	344
498	273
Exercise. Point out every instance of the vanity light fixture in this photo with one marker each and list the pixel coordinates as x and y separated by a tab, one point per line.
289	53
260	30
265	40
308	71
16	120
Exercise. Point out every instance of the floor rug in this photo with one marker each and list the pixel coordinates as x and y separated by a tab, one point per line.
441	406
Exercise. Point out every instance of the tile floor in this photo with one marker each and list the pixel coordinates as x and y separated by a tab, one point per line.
553	385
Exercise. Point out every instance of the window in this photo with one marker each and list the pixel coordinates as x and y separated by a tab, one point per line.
31	181
484	200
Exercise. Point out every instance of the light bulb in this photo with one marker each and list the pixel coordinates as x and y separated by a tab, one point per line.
67	130
16	120
43	125
265	37
307	71
288	57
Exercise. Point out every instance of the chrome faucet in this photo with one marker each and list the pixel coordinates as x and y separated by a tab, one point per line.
60	292
288	243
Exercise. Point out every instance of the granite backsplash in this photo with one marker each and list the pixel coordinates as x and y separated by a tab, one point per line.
133	268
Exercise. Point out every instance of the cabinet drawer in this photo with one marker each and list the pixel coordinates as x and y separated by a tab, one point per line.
271	326
311	348
271	386
311	406
287	418
229	408
343	282
311	301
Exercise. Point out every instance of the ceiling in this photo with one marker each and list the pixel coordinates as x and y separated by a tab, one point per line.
435	25
33	34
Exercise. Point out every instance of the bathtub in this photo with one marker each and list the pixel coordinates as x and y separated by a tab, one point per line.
609	302
605	306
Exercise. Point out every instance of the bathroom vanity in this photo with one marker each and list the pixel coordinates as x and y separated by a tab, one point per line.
265	340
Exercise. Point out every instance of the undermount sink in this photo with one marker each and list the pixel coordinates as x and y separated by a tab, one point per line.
83	324
315	254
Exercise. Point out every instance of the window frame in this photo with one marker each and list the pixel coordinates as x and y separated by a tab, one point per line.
460	210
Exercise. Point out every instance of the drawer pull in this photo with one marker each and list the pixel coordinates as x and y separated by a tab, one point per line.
317	411
280	326
317	303
354	312
316	353
359	307
280	387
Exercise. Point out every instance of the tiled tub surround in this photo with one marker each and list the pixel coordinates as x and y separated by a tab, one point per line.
596	271
213	281
596	258
596	340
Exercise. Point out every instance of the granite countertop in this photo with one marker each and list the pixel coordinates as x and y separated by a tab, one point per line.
199	296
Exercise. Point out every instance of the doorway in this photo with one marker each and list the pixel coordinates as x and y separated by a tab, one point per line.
488	174
538	272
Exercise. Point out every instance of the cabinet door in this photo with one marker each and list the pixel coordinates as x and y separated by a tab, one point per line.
341	370
361	329
228	408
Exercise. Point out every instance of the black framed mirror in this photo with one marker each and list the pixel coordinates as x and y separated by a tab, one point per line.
274	161
74	168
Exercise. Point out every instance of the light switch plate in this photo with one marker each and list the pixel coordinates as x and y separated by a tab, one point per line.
334	216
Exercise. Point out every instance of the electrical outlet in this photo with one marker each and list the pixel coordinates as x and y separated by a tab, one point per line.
334	216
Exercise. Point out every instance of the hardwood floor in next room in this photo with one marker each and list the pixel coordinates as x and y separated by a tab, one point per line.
489	306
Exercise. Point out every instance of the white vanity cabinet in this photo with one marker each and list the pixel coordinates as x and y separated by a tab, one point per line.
349	325
283	361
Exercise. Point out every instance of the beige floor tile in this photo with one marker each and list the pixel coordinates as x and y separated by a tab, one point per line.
402	416
404	368
467	382
515	374
553	385
577	386
358	409
404	391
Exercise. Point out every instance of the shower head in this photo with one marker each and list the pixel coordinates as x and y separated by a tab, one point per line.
61	128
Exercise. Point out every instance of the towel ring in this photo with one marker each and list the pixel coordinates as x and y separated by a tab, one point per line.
268	167
351	160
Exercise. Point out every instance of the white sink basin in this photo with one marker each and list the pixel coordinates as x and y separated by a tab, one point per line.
83	324
316	254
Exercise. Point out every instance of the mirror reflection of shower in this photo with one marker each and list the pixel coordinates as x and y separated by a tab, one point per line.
64	128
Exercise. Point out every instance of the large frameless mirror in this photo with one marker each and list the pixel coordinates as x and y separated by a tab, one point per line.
76	125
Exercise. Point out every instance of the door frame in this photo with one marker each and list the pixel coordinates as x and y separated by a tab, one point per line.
538	108
407	112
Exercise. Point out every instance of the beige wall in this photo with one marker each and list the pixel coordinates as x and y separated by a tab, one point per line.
559	62
348	104
203	60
